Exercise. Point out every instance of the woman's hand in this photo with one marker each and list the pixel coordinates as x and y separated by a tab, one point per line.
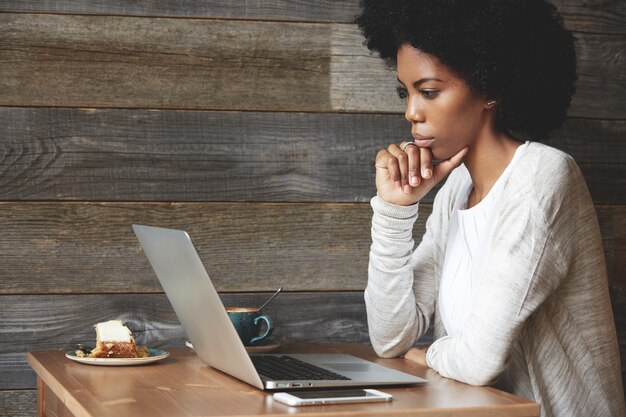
417	355
404	175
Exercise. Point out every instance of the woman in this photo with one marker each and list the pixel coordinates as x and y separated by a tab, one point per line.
511	266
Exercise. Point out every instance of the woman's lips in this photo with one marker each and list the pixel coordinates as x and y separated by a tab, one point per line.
423	142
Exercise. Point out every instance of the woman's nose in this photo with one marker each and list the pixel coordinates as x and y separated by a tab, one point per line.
413	112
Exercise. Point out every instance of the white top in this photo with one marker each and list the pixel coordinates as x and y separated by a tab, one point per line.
468	251
112	331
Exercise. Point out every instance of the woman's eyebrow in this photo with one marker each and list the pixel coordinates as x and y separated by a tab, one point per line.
417	83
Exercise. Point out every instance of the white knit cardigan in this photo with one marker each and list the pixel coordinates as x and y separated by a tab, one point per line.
544	304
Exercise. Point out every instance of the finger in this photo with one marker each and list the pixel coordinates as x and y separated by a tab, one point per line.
413	164
445	167
391	164
381	159
384	162
403	163
426	165
399	167
400	152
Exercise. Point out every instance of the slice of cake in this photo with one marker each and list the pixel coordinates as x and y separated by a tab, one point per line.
114	340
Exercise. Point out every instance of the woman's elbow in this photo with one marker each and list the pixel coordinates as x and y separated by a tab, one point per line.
485	372
389	350
467	366
481	379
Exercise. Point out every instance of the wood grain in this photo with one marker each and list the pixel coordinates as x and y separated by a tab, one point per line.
61	321
18	403
131	62
189	387
598	16
182	386
135	155
594	51
102	61
91	248
103	154
290	10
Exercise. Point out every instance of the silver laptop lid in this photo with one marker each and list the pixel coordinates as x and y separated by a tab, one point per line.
201	312
196	302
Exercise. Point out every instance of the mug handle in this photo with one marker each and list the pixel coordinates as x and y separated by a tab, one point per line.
268	322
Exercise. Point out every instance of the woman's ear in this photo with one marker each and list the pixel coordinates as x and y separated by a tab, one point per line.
491	103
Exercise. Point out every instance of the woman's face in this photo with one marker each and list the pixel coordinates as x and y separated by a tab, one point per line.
445	115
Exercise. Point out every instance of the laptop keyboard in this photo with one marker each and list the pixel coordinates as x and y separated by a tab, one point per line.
285	368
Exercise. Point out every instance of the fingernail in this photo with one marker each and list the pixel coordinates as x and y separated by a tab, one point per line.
427	173
398	184
407	189
414	180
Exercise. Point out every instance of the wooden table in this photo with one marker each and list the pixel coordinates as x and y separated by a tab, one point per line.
182	386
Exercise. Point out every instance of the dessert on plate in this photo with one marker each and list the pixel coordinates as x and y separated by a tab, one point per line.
114	340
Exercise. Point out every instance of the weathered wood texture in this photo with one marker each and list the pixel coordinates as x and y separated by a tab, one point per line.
98	154
103	61
597	16
603	16
112	154
53	60
91	248
51	322
18	403
291	10
61	321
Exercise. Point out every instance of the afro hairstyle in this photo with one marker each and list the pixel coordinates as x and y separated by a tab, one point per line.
514	51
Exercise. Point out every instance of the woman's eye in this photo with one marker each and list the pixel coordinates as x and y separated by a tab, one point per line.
402	93
429	94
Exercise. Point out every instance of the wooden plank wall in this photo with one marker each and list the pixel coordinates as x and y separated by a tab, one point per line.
253	125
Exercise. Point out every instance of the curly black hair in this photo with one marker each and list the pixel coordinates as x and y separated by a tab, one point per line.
515	51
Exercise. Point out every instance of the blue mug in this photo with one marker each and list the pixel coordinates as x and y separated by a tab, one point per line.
248	323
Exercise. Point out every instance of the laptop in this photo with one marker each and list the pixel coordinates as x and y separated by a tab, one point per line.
205	320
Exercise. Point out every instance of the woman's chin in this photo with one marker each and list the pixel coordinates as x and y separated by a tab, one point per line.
441	154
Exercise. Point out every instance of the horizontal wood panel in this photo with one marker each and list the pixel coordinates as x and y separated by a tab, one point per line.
96	154
18	403
96	61
598	16
135	155
54	60
60	322
91	248
292	10
593	52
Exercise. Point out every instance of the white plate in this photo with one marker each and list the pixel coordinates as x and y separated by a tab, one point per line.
155	355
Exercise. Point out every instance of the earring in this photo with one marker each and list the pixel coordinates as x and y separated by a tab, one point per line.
491	103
